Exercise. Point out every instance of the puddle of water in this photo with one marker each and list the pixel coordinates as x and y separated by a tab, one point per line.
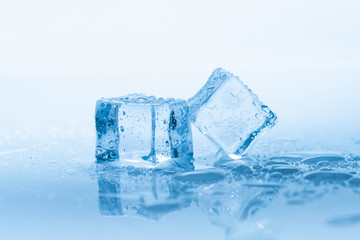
238	197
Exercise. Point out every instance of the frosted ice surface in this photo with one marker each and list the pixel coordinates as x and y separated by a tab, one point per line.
138	127
229	113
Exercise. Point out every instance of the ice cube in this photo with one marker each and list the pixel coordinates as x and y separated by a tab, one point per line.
138	127
229	113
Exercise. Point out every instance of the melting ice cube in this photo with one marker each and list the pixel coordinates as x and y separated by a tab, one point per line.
229	113
137	127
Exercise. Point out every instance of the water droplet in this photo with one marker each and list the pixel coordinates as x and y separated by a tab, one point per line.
327	177
111	144
217	124
276	175
204	130
285	170
324	158
242	170
355	182
234	93
272	162
210	106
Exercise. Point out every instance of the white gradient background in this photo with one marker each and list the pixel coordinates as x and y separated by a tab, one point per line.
301	57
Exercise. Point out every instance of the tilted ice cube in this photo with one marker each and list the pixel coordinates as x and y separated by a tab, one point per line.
229	114
138	127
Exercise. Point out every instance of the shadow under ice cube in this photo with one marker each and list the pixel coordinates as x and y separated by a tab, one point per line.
229	113
138	127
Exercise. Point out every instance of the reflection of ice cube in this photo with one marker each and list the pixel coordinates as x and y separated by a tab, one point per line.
138	192
229	114
233	206
138	127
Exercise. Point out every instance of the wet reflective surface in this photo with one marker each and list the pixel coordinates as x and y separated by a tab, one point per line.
56	190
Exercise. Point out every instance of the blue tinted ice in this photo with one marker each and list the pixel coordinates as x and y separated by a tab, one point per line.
138	127
139	192
229	113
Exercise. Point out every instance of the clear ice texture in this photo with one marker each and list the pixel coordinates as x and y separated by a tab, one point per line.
138	127
138	192
229	113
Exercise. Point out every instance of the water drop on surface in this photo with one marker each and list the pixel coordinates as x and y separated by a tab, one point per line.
234	93
111	144
276	175
354	182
